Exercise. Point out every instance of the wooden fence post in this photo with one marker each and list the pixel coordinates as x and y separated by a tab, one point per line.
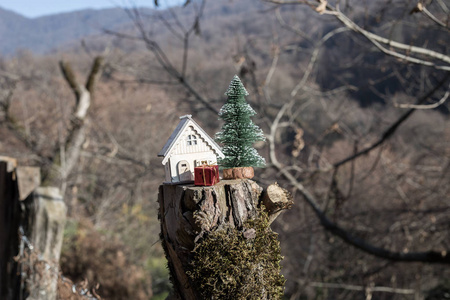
47	237
32	221
9	224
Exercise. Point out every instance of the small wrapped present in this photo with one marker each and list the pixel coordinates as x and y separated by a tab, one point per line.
206	175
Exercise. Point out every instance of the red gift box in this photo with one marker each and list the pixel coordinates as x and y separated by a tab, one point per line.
206	175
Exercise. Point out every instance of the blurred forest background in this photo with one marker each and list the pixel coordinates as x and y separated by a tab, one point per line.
357	129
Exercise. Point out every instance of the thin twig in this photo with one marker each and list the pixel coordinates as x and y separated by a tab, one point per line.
314	58
443	6
433	18
352	287
391	130
163	59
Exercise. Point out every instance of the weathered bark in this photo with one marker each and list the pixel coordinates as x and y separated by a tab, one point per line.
190	213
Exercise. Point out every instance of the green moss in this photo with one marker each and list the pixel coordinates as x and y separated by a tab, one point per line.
226	265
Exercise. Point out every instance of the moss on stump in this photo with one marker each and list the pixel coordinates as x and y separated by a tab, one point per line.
234	264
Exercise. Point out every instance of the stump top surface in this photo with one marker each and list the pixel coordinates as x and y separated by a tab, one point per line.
219	184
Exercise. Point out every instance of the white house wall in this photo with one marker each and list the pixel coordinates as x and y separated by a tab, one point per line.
191	158
183	148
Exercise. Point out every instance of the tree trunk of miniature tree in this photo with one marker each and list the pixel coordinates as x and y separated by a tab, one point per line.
218	242
238	173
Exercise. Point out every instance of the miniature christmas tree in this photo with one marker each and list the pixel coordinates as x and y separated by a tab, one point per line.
239	132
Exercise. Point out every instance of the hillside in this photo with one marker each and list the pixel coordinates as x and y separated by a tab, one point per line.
44	34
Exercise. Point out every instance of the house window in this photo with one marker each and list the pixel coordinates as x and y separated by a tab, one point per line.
191	140
199	163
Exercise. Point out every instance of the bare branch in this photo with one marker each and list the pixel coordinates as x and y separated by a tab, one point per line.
177	21
70	78
170	27
265	90
194	28
290	28
429	256
162	58
66	156
443	6
276	56
310	3
391	130
314	58
352	287
378	40
433	18
21	133
95	70
330	92
426	106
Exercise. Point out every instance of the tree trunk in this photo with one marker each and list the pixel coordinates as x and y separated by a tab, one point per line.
218	242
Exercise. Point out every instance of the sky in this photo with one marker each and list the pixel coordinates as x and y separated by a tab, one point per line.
38	8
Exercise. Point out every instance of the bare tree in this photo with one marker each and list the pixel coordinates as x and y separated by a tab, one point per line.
70	147
60	161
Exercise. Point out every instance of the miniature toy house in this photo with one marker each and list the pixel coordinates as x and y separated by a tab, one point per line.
188	147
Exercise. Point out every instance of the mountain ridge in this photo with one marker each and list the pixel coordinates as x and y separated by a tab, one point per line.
45	34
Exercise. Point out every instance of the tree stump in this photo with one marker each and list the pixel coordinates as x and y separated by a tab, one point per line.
218	242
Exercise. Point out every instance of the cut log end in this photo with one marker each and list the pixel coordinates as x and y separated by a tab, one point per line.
276	199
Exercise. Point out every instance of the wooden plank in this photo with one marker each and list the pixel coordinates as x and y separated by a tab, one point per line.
29	178
9	223
11	163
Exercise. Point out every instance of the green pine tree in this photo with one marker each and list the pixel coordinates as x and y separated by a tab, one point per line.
239	132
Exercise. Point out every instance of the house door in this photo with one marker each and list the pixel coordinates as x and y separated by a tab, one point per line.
184	171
